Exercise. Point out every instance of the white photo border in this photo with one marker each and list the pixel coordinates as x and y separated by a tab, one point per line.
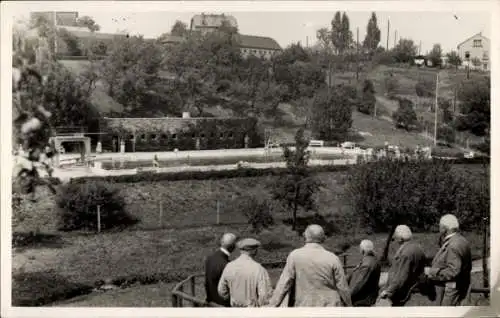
11	8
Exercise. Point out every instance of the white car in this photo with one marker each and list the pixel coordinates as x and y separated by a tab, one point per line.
348	145
469	155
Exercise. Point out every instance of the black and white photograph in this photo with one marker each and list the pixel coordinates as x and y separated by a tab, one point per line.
234	157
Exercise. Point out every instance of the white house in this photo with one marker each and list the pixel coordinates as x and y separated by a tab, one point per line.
475	48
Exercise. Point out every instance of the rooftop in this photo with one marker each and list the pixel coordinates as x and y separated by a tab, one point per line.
258	42
212	20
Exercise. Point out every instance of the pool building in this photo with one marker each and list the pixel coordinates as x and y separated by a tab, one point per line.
182	133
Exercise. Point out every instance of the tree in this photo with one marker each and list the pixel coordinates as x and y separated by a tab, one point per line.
130	70
296	189
72	42
405	117
179	29
446	134
475	106
336	33
405	51
89	23
454	59
346	33
435	55
368	100
332	114
389	192
372	38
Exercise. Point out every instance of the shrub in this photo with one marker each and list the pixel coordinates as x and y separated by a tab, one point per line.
387	193
258	208
446	134
391	85
424	88
78	203
367	101
405	117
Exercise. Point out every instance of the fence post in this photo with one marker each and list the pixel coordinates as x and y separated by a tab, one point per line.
174	300
98	219
161	214
218	212
193	289
179	300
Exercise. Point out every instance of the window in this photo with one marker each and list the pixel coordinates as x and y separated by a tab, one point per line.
467	54
230	135
193	135
163	136
202	135
131	137
485	55
477	43
143	137
212	135
221	135
153	136
174	136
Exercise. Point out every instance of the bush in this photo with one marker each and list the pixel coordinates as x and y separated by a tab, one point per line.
405	117
367	101
424	88
258	210
446	134
78	207
391	85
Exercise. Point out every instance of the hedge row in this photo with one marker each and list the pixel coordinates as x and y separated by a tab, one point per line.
226	174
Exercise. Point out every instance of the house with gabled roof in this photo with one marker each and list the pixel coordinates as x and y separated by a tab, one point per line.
475	49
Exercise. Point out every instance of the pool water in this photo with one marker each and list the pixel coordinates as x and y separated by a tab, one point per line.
124	164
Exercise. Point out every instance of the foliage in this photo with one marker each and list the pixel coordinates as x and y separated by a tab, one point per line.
341	34
405	117
387	193
474	107
454	59
404	51
179	29
390	84
476	61
435	55
446	134
78	204
368	100
372	38
89	23
130	71
383	57
71	41
445	106
332	113
298	187
424	88
258	210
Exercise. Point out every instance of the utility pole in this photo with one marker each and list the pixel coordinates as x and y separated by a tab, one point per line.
357	54
388	28
419	48
436	110
395	37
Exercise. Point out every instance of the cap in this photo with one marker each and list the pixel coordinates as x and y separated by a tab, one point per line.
248	244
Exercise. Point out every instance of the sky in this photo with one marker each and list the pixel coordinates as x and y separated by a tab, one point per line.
291	27
447	28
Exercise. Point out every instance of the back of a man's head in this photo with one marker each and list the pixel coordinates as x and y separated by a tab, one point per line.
367	247
228	241
402	233
449	223
314	234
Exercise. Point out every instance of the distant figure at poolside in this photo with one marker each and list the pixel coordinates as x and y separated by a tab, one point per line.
122	146
214	265
313	276
98	148
156	163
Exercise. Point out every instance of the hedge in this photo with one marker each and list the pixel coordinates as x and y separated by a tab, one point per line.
237	173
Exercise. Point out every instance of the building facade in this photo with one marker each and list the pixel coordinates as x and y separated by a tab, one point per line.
259	46
204	23
169	133
477	47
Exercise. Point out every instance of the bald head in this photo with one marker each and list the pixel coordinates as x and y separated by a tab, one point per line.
402	233
366	247
448	224
314	234
228	241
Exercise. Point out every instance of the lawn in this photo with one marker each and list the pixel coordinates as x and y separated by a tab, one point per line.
68	261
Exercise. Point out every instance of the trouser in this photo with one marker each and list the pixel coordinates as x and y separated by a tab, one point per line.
447	296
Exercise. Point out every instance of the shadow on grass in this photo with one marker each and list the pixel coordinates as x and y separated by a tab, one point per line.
24	240
40	288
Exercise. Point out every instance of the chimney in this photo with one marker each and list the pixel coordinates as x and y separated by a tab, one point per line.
186	115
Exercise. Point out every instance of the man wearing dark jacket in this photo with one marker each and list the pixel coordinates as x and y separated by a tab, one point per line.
407	268
214	265
365	278
452	265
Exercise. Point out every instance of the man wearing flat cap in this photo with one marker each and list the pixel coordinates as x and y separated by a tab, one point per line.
313	276
452	264
406	270
244	281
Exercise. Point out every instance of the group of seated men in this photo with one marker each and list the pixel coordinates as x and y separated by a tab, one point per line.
315	277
